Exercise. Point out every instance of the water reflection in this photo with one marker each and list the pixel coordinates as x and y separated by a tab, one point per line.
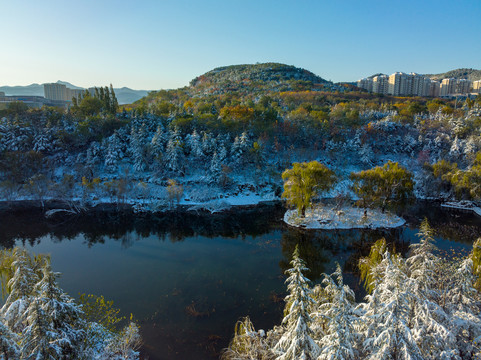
188	277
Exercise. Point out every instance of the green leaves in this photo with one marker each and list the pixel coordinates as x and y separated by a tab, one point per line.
381	186
304	181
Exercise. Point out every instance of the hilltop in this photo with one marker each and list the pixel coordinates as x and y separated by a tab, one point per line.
469	74
257	77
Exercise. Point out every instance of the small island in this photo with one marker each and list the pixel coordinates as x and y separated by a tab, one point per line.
349	217
376	189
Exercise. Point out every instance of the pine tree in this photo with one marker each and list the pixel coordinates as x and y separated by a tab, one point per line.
93	153
21	287
365	155
174	153
114	152
194	144
61	313
36	336
137	150
8	343
386	315
159	141
215	169
208	144
296	342
341	317
239	150
462	304
428	321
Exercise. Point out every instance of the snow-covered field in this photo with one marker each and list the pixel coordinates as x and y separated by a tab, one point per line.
348	217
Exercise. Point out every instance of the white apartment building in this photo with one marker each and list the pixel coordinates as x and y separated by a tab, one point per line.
60	92
402	84
477	86
55	91
380	84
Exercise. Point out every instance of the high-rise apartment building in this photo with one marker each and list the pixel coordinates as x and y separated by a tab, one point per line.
60	92
477	86
380	84
55	91
402	84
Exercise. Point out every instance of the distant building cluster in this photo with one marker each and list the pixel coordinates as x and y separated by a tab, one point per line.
57	95
61	92
402	84
31	101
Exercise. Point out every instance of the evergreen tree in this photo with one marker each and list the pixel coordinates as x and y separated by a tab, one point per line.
341	317
21	287
8	343
61	313
174	153
194	144
386	316
215	169
296	342
37	336
159	141
114	152
240	150
114	104
137	150
94	153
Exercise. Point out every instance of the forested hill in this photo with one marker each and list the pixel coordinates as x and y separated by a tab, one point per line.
469	74
269	75
246	81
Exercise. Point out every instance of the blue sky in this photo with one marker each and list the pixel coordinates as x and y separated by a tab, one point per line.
164	44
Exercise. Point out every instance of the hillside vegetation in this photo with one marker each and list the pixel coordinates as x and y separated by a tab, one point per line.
469	74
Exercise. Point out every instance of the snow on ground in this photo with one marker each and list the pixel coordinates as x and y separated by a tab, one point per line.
330	217
462	205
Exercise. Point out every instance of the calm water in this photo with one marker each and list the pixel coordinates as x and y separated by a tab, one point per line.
189	277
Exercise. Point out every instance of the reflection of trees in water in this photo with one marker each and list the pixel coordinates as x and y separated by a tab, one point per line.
29	226
320	248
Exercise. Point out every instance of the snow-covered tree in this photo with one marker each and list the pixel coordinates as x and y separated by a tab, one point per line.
215	168
159	141
137	150
114	152
341	318
61	313
428	321
462	304
366	155
194	144
296	342
387	310
36	337
44	142
21	287
240	150
94	153
8	343
174	153
125	344
208	144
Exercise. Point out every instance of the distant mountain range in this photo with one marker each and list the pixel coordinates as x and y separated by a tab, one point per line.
124	95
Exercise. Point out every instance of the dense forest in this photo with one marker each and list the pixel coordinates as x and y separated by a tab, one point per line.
233	131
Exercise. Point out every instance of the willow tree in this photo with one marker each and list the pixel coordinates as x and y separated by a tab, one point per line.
305	181
381	186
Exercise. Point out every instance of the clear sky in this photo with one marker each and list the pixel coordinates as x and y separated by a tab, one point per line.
164	44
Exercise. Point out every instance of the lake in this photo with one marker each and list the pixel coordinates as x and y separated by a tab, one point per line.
187	277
